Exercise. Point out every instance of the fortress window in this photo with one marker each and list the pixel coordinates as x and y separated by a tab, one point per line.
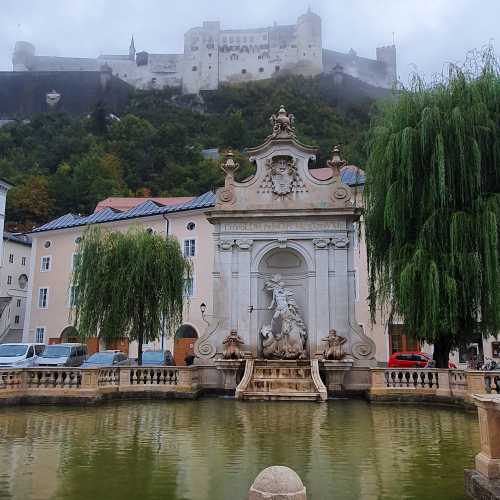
243	71
261	70
194	68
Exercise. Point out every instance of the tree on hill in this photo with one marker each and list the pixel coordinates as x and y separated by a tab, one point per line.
433	209
128	285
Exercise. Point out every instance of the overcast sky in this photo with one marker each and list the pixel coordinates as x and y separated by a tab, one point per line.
428	33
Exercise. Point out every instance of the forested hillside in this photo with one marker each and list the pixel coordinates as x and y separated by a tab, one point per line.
62	163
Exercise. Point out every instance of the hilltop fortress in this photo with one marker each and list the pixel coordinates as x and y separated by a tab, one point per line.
213	56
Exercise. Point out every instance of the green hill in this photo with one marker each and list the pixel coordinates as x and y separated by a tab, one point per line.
61	163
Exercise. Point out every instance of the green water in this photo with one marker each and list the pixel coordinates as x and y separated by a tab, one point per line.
212	449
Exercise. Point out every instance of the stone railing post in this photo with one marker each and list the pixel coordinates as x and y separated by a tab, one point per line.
124	376
378	378
488	459
475	383
90	377
444	383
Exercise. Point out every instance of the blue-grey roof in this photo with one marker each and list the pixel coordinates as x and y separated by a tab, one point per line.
150	208
146	209
17	238
352	176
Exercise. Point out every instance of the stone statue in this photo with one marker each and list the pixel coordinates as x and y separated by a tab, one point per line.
335	343
285	337
232	346
282	123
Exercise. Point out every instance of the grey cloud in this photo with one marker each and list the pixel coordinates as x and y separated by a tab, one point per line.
428	33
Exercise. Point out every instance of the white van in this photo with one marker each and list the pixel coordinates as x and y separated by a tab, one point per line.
63	355
19	355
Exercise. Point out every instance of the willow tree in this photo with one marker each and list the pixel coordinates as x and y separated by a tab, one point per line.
432	203
128	285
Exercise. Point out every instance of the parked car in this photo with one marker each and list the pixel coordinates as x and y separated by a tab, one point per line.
107	358
412	359
157	358
62	355
19	355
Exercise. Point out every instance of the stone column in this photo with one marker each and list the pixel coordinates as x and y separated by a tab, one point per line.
488	459
321	302
342	290
224	294
243	292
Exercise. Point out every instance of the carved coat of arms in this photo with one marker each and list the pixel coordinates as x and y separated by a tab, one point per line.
282	176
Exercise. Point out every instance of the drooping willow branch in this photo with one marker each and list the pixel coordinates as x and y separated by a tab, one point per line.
432	202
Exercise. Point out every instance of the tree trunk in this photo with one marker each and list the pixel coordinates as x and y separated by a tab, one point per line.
139	348
442	348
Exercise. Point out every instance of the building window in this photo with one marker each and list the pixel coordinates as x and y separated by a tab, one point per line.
9	280
45	263
188	287
210	67
243	71
47	244
399	340
189	248
276	68
190	226
495	349
74	260
40	334
78	239
72	297
11	258
234	57
23	281
43	298
194	68
16	320
261	70
18	302
23	261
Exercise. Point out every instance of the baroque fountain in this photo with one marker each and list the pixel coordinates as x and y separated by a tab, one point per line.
283	281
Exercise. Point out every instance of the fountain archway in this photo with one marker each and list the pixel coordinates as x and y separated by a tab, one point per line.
291	266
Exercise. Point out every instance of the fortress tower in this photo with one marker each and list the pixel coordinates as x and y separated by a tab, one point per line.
201	58
387	56
24	54
309	44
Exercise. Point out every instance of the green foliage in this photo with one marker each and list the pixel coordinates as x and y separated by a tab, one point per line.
156	145
432	203
128	285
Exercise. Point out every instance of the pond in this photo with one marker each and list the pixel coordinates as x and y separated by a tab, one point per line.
212	449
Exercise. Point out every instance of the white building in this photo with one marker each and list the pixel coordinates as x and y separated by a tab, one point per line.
213	56
14	277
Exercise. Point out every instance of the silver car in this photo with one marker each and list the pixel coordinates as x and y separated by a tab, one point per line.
107	358
63	355
19	355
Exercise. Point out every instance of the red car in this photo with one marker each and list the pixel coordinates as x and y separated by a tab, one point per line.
412	359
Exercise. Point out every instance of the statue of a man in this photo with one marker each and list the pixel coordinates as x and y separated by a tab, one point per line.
335	343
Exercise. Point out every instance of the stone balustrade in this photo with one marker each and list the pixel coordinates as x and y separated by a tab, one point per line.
431	383
59	384
382	384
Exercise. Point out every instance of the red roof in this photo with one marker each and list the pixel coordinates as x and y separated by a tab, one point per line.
123	203
325	173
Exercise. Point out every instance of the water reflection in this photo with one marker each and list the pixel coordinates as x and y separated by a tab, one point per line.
213	449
